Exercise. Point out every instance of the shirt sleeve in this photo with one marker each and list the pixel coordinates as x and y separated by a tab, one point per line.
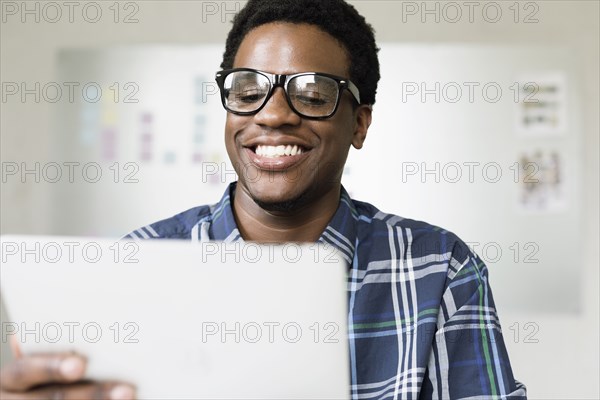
469	357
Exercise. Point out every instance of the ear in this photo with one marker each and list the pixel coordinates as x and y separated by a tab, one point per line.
362	117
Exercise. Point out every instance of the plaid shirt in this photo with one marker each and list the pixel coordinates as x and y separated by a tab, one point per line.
422	321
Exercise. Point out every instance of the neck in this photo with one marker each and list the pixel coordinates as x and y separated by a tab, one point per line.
302	225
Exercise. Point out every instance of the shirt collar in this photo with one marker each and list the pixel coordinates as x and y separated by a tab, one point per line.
223	226
340	232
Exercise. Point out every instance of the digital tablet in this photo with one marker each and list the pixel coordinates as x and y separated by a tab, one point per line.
185	320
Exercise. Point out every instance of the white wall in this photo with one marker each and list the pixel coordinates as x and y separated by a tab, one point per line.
564	363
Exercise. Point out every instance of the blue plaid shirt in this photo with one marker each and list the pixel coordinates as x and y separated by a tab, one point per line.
422	321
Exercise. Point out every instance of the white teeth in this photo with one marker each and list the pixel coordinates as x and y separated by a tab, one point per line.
278	151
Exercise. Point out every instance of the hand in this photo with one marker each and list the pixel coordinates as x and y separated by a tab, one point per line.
56	376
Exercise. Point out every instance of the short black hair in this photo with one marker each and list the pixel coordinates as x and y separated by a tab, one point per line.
336	17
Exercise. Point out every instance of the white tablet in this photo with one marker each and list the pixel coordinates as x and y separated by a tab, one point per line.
185	320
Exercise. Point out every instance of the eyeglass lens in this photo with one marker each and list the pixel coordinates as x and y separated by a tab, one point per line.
310	95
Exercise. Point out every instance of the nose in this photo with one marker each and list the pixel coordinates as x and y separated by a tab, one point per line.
277	111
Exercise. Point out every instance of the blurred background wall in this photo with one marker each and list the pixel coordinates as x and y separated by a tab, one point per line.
554	351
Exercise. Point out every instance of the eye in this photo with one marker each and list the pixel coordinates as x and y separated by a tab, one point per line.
250	96
246	96
312	98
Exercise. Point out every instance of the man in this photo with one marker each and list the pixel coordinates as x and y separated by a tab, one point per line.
298	83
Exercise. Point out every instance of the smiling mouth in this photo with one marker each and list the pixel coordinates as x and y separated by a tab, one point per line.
278	151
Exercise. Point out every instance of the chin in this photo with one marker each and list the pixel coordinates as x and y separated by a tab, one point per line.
281	203
283	206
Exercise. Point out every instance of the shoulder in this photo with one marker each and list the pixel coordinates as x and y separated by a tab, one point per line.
419	240
439	261
178	226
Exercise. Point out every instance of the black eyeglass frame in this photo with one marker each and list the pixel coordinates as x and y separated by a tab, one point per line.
282	80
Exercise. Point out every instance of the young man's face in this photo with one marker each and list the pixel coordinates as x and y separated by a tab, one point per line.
281	183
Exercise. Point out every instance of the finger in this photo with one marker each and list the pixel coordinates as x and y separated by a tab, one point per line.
15	347
76	391
37	369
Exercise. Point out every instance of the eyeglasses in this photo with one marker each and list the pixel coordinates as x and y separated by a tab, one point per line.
245	91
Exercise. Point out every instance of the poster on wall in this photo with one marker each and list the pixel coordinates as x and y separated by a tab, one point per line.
540	101
541	181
